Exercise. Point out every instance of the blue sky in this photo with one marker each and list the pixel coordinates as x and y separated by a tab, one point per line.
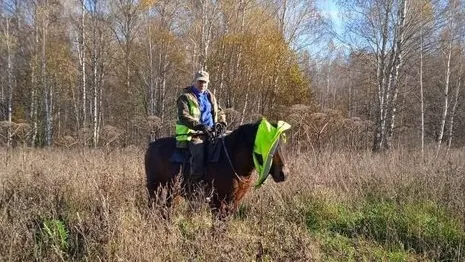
331	11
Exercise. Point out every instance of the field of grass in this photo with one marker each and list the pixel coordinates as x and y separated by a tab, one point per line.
90	205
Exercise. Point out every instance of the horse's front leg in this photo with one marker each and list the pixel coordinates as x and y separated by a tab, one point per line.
222	208
240	189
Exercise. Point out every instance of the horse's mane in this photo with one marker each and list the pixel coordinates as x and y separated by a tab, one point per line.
244	134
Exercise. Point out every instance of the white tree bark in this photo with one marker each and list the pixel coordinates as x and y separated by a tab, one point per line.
453	29
453	112
396	65
163	94
95	109
151	85
246	103
381	54
445	107
82	62
9	83
206	13
389	54
422	97
95	82
34	96
47	89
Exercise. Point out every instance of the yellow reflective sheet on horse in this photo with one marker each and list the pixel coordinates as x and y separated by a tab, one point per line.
266	143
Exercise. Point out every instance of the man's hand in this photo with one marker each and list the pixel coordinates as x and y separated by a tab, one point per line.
220	128
204	128
223	125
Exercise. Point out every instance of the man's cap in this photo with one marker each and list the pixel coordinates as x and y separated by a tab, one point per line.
201	76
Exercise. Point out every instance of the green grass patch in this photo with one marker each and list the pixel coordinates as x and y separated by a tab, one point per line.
242	212
421	228
52	235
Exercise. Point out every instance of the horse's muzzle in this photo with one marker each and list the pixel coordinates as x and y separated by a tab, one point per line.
281	174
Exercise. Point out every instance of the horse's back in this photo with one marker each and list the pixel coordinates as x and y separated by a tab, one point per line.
157	164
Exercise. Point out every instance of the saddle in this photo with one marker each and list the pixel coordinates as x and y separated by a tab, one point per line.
213	148
212	153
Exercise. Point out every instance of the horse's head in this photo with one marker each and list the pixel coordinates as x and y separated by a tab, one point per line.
260	139
279	169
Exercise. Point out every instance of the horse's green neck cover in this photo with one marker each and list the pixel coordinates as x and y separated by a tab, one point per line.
266	143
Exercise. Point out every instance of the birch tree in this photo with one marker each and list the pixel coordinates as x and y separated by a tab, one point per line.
204	15
82	65
165	44
43	12
97	49
456	97
380	26
427	25
125	26
10	79
35	76
452	33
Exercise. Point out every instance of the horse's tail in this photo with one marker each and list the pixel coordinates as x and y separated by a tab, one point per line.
149	167
156	155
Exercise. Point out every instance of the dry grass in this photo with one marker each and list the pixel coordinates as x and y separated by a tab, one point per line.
91	205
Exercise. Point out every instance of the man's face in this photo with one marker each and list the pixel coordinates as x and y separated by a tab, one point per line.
201	85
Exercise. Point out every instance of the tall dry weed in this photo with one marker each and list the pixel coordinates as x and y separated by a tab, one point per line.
99	196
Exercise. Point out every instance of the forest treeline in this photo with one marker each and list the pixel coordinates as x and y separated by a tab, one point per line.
107	73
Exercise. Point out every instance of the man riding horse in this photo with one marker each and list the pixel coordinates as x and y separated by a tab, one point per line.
252	146
198	110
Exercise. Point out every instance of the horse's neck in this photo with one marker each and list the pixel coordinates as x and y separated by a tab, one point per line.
241	156
247	163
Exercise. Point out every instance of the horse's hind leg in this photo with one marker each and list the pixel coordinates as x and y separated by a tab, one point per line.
153	190
173	191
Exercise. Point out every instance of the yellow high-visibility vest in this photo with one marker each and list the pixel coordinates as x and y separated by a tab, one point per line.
183	132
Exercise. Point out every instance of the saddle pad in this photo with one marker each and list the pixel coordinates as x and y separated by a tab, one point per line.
180	155
213	152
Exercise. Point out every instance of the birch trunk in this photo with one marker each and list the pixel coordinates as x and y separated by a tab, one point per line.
82	61
445	108
205	33
246	102
422	98
94	86
380	122
34	89
163	95
100	105
9	84
48	97
398	62
452	113
95	113
151	86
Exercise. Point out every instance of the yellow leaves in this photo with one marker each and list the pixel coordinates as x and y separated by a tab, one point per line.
266	48
423	9
147	4
60	61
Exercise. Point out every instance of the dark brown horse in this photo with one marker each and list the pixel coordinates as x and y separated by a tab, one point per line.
229	178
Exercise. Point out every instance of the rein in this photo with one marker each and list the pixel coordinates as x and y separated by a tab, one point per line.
229	160
220	132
